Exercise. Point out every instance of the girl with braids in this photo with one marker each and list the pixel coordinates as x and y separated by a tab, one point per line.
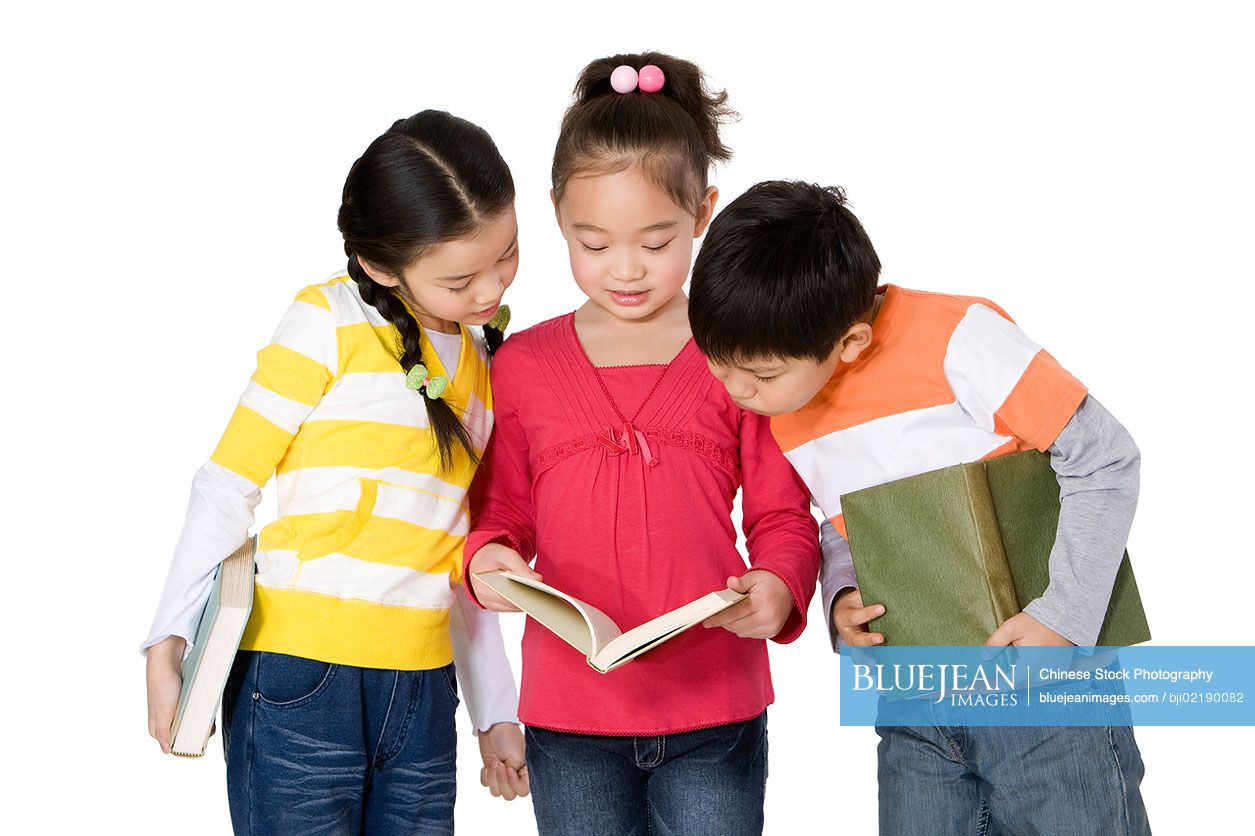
372	406
615	461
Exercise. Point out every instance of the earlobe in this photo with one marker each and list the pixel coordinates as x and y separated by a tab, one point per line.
706	211
855	340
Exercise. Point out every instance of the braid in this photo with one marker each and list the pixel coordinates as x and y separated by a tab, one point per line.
428	179
450	433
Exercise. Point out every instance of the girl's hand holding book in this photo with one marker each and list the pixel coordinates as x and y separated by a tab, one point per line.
763	613
496	556
165	679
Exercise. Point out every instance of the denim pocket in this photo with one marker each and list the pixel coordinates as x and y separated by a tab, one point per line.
448	674
231	692
291	681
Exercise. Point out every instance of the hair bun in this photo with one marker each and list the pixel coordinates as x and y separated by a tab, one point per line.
683	82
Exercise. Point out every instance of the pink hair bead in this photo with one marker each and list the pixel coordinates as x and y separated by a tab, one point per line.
650	79
623	79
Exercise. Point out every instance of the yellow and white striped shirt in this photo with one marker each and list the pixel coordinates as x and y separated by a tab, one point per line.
357	568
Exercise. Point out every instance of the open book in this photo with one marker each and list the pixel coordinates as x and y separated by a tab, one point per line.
591	631
213	650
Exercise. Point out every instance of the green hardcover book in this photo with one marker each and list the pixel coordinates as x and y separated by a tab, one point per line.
955	552
929	549
1026	499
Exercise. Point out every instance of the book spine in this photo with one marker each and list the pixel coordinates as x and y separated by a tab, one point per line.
995	569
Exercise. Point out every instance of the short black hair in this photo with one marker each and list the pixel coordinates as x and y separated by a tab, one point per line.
785	270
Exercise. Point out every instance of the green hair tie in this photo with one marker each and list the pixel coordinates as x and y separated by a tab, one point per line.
416	378
500	319
432	387
436	386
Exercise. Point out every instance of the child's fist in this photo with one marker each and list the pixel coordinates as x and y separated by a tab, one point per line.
505	768
850	618
490	558
1023	629
763	613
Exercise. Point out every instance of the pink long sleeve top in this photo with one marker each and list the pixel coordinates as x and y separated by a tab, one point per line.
620	481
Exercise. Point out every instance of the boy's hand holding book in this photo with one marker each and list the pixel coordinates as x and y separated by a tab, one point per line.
1024	630
850	618
763	613
497	557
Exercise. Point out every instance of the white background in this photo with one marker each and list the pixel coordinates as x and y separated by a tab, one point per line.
171	175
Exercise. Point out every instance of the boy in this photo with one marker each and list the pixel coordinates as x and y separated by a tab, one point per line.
868	385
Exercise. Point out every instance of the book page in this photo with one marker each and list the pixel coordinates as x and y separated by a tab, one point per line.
194	724
652	633
580	625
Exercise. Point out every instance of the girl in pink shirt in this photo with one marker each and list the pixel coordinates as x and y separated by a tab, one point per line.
615	461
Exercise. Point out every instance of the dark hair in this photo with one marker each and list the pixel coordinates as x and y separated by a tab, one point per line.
431	178
785	270
672	134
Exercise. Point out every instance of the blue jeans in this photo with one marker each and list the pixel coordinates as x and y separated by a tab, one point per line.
709	781
316	748
999	781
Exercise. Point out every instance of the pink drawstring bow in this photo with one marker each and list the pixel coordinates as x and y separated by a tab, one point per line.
627	440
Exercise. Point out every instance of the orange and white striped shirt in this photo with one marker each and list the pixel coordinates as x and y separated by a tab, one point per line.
946	380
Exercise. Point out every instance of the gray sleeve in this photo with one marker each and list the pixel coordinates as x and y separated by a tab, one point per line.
1097	465
836	573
